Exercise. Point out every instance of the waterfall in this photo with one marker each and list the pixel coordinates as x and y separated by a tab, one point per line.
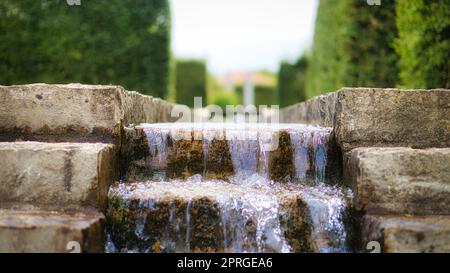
247	211
310	151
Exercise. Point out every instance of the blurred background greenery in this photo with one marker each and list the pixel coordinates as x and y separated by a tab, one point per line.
401	43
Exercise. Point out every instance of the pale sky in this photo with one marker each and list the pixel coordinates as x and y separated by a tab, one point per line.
242	35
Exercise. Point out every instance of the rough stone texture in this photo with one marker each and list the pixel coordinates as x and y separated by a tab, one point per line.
281	161
365	117
392	117
64	174
400	180
190	216
138	108
50	231
134	150
60	109
42	109
408	234
186	156
319	110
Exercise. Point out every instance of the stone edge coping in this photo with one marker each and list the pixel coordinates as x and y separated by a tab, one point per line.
115	107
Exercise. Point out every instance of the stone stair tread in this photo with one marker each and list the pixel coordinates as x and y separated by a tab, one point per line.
430	233
50	231
381	117
400	180
75	109
187	190
59	174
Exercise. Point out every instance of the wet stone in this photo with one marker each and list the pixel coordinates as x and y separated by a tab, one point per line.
281	162
303	153
219	164
217	216
186	158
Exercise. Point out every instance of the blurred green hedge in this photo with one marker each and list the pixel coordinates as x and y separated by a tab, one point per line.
353	46
264	94
190	81
99	42
291	82
423	44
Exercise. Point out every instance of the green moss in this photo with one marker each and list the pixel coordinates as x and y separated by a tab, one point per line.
218	163
165	228
295	220
185	159
138	171
281	161
134	151
333	170
120	223
352	218
206	234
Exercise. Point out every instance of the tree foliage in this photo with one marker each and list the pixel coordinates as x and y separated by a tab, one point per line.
190	81
291	82
353	46
124	42
423	44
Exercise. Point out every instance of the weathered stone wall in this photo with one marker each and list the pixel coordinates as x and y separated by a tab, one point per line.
50	231
318	110
56	174
406	234
400	180
367	117
75	109
59	153
403	190
396	158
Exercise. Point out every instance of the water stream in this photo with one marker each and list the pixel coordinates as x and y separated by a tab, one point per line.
254	213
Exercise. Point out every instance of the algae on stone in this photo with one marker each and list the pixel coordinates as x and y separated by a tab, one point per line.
281	162
218	161
294	217
186	157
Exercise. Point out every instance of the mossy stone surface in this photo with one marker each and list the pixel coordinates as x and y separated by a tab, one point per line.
218	161
281	162
294	217
186	157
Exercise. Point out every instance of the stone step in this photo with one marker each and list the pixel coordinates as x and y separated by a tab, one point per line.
399	234
400	180
56	174
72	111
217	216
37	231
219	151
377	117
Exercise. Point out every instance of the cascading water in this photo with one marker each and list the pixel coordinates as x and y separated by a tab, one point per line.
248	211
310	151
158	148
